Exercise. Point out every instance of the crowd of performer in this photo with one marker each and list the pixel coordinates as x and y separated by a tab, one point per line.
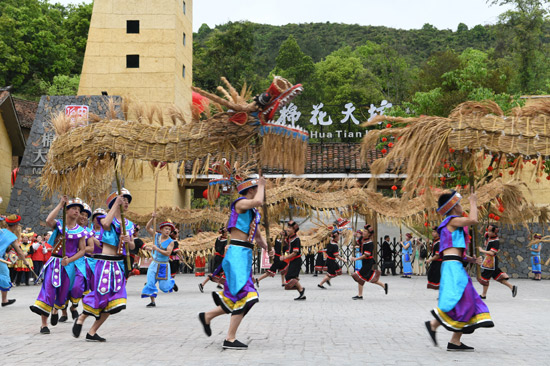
84	260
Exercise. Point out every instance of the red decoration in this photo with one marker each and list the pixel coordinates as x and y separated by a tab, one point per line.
384	139
500	174
491	215
490	168
446	166
426	224
205	194
239	118
534	162
384	151
160	164
511	172
452	169
390	145
451	150
501	209
497	218
388	125
394	188
199	102
548	177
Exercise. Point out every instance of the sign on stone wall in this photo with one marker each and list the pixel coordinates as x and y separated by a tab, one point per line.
26	198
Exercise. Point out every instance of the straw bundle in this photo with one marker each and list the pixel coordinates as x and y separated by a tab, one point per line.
472	128
192	218
82	153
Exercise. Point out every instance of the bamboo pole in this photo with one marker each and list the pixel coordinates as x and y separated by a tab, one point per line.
63	238
122	220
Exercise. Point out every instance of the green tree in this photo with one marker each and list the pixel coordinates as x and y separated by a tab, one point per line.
526	21
392	71
229	53
64	85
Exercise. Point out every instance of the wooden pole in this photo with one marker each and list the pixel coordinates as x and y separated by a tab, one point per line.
474	242
63	238
122	220
156	174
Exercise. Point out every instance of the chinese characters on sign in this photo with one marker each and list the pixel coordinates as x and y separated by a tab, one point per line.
77	113
291	115
39	155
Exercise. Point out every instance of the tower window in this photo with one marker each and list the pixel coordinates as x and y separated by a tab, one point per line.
183	71
184	39
132	61
132	26
184	8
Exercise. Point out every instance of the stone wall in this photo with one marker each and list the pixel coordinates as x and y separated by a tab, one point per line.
26	198
515	257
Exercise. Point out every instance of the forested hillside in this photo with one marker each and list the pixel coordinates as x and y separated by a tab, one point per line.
422	71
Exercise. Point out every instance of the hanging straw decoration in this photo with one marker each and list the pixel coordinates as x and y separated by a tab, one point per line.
472	130
82	153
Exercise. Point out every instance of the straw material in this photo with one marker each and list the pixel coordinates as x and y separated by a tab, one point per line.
473	128
192	218
82	153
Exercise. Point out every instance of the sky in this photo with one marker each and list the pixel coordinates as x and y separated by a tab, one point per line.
405	14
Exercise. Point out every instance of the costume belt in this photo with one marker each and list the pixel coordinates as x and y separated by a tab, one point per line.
242	243
106	257
452	257
330	258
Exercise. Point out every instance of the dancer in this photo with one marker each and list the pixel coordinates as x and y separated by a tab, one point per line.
277	265
219	246
59	272
434	271
320	262
9	237
460	309
239	294
333	253
294	257
159	269
80	285
367	273
490	263
174	257
406	256
535	257
109	293
96	247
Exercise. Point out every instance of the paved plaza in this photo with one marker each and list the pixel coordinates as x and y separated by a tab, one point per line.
328	328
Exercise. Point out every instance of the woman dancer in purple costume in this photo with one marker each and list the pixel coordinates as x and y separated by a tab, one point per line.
109	293
59	271
460	309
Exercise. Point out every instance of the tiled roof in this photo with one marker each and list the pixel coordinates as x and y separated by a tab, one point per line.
325	158
26	111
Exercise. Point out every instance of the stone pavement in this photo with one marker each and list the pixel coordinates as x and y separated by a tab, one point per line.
328	328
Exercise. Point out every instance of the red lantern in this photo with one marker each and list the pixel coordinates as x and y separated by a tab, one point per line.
394	188
205	194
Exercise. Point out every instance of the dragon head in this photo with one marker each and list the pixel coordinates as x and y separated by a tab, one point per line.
279	93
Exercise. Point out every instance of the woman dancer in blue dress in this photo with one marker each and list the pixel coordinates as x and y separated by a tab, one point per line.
460	309
239	294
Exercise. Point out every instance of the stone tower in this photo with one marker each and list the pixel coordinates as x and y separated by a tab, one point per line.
142	49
